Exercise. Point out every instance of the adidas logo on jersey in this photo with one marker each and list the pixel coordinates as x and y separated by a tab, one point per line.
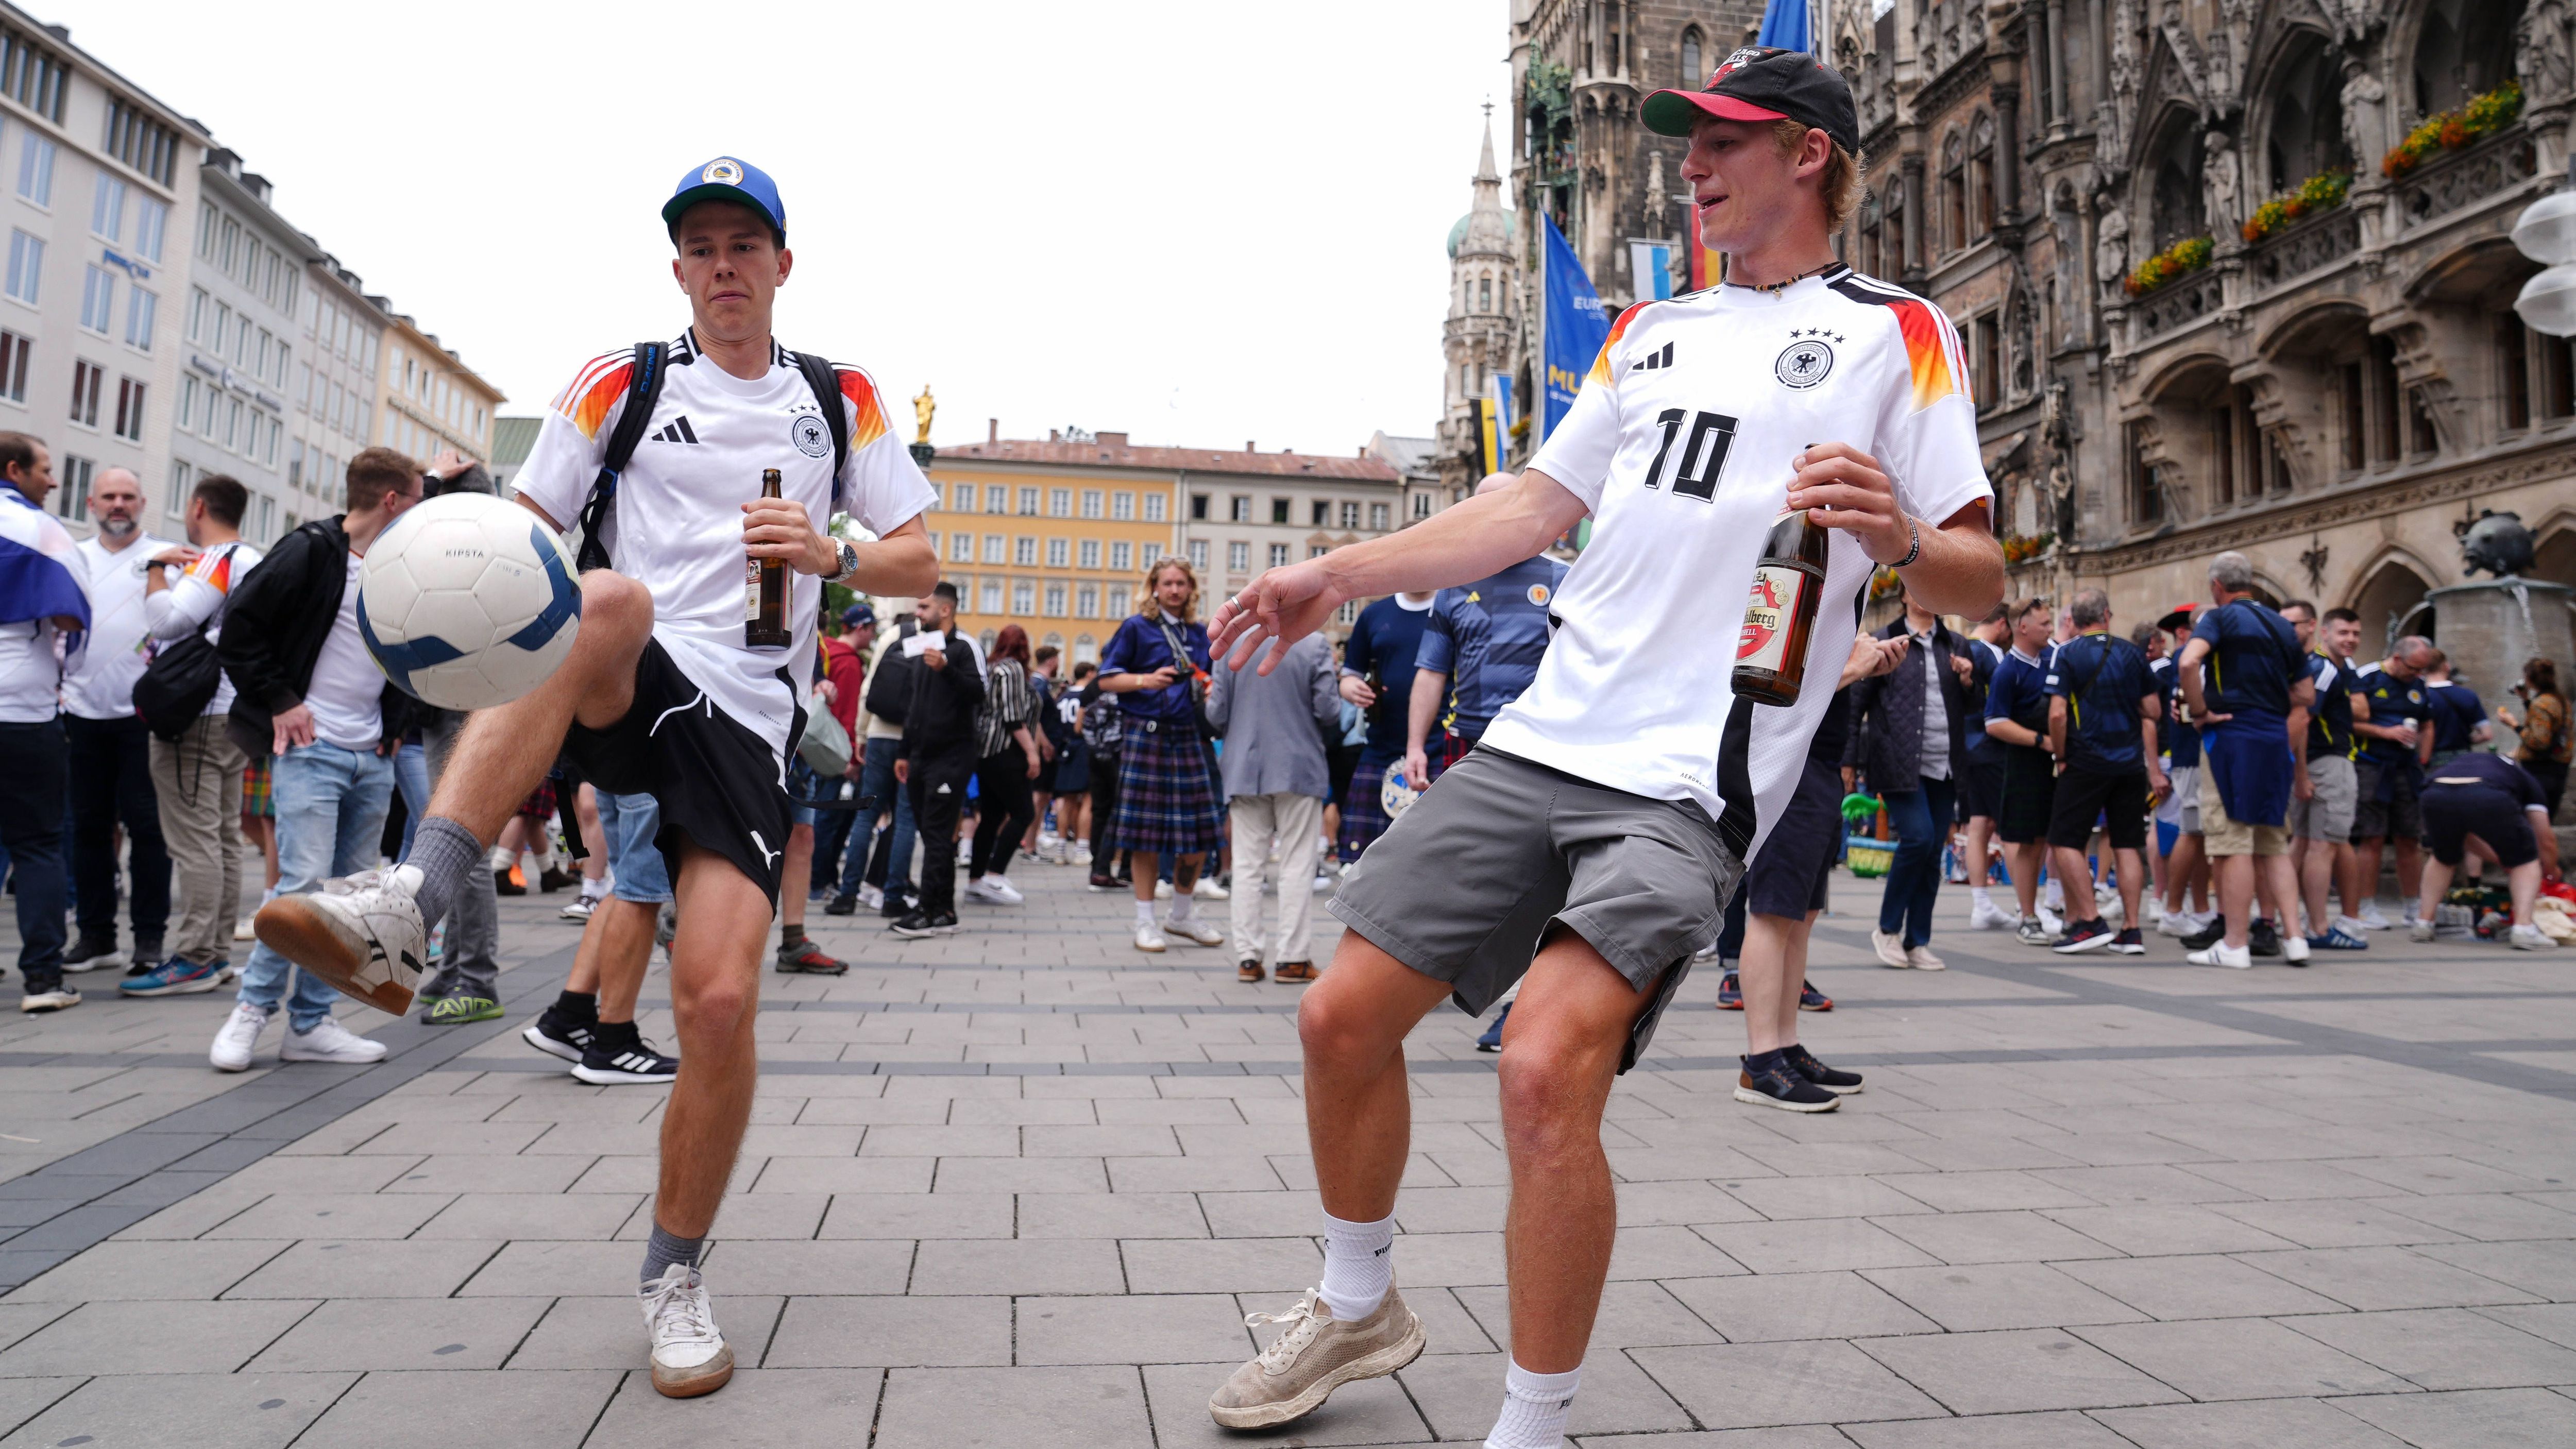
1661	357
678	432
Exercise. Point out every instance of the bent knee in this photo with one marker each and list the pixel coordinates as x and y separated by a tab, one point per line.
616	602
1551	1090
711	1012
1341	1032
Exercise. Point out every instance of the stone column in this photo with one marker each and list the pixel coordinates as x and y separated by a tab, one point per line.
1912	165
2007	153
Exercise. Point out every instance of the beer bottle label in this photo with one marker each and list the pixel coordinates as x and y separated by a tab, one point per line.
1768	613
751	592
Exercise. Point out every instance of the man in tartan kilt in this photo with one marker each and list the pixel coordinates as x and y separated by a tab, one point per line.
1157	666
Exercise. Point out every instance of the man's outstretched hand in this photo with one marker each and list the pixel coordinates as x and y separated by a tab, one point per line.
1282	606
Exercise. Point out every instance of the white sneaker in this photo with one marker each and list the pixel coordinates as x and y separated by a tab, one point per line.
1208	890
1162	890
1987	916
2531	938
361	934
2419	930
1195	931
1922	959
2352	926
2294	948
579	909
689	1355
240	1033
2239	959
975	890
1890	949
999	890
1048	840
2050	922
1323	883
2174	923
1150	938
329	1041
242	930
1082	852
872	897
2369	916
61	998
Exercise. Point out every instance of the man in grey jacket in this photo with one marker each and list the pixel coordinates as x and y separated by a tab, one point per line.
1276	780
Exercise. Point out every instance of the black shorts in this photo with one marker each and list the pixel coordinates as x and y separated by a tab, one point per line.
2454	812
2030	789
718	784
1981	785
2084	795
2391	804
1790	872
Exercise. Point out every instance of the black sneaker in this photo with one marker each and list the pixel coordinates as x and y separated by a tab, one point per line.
1804	1063
554	879
2130	942
91	952
1810	999
1730	993
617	1056
1105	883
502	885
2262	939
896	907
1780	1087
2082	936
559	1035
842	906
916	924
2207	936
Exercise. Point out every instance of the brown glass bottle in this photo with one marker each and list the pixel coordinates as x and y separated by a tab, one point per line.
764	590
1780	617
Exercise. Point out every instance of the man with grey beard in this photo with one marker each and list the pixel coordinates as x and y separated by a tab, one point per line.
110	750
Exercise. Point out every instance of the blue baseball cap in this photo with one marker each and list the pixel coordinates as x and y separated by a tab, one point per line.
727	178
857	615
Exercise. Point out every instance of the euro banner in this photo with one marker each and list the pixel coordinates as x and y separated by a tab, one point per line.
1577	327
1489	436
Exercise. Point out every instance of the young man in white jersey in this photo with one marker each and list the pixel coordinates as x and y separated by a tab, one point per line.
1590	841
661	692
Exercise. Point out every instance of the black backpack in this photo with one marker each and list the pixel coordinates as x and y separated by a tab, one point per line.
643	390
898	674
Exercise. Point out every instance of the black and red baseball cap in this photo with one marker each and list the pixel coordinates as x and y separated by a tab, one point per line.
1762	83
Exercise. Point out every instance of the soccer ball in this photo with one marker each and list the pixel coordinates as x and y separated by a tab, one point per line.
468	601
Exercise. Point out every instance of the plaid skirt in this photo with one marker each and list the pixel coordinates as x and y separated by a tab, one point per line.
257	798
1166	800
1363	809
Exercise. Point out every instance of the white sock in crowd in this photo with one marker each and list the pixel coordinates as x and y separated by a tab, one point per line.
1534	1409
1144	913
1359	1264
1181	906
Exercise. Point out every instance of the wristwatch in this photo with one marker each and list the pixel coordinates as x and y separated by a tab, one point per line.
849	562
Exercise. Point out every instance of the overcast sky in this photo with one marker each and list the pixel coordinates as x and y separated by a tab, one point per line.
1200	223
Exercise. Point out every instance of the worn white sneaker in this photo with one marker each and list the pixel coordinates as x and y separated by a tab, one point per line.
1890	949
1150	938
1922	959
872	898
974	890
2369	916
2175	923
1314	1355
689	1355
2051	922
1196	932
2531	938
239	1033
1208	890
1987	916
2218	954
2419	930
329	1041
362	934
999	890
1162	890
2294	949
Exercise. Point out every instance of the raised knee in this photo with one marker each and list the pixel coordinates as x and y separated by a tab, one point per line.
1334	1033
711	1012
615	602
1543	1085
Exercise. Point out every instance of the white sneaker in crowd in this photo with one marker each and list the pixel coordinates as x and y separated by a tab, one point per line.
329	1041
1150	938
2050	922
2531	938
1208	890
242	930
1890	949
1048	840
1323	882
1082	852
1987	916
2175	923
1922	959
1162	890
872	897
2352	926
1195	931
689	1355
2218	954
239	1033
2369	916
994	890
361	933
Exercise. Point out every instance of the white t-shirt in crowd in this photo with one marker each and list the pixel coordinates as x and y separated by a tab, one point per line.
1683	456
676	526
345	695
201	594
102	686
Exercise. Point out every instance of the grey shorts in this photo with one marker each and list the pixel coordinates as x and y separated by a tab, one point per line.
2181	809
2328	815
1468	882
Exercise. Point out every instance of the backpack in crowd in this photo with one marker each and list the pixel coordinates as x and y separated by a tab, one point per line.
897	675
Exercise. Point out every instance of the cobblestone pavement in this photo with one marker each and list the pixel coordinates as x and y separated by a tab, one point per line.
1020	1186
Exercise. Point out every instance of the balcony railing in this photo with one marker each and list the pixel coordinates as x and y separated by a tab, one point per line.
2303	247
2474	172
2178	302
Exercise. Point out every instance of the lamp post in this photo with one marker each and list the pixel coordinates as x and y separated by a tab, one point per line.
2546	233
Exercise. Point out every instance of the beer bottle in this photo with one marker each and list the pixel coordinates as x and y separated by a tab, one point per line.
764	590
1780	616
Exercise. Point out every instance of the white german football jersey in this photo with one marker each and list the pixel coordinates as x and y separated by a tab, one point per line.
676	526
1680	442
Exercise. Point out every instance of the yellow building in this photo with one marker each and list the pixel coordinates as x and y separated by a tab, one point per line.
1051	535
431	399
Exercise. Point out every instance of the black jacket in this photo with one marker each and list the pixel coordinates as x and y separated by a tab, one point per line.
1887	741
274	626
944	701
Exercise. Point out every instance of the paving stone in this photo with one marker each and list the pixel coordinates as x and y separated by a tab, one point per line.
2335	1224
2372	1278
1230	1265
366	1269
1969	1297
1140	1329
1011	1408
764	1408
891	1332
578	1269
2473	1419
1811	1247
2252	1424
1372	1411
1461	1393
2545	1268
1784	1198
149	1270
440	1411
2240	1358
171	1337
574	1216
1773	1306
2016	1237
1804	1436
2553	1321
202	1411
1108	1215
2195	1287
1989	1431
334	1215
769	1265
2444	1348
366	1334
2015	1371
1960	1192
2170	1228
1742	1385
487	1172
2488	1217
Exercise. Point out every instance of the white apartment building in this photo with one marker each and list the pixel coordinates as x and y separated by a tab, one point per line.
97	174
240	352
342	330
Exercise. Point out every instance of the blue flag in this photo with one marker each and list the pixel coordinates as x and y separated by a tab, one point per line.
1784	24
1576	328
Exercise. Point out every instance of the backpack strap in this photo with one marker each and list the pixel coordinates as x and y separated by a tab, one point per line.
826	384
643	390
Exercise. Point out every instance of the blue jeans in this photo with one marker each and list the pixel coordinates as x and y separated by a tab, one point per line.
1921	819
637	872
411	776
331	807
876	779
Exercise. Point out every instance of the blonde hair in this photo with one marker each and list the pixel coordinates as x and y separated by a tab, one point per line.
1839	183
1154	573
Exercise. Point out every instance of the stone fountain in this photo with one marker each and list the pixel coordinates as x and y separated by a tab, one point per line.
2490	626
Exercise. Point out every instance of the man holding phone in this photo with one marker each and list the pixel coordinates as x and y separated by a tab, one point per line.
938	754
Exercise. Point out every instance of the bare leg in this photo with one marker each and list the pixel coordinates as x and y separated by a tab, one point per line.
715	993
799	877
2435	880
1147	868
1359	1121
2410	865
585	814
2024	858
502	753
2524	881
2133	882
2236	896
2316	876
1561	1052
1185	873
616	947
1775	962
2184	867
2071	865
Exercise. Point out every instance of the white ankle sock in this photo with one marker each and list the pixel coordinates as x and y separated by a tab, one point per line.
1181	910
1359	1264
1144	913
1534	1409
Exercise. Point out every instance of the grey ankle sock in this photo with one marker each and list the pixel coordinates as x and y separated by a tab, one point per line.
444	851
663	1249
